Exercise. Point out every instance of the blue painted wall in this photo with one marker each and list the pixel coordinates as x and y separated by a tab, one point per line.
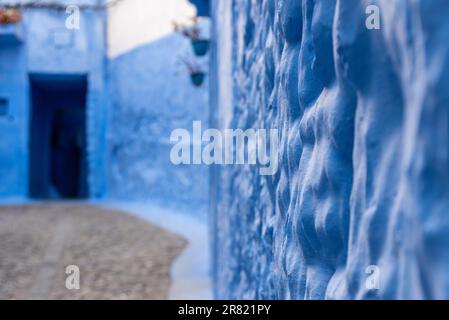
133	103
48	48
151	94
363	117
202	7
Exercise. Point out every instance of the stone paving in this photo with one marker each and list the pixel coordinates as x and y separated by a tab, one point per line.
119	256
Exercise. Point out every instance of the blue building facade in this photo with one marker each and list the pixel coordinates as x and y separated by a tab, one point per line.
202	7
51	62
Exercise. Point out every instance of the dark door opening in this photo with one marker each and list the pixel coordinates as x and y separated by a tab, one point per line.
57	164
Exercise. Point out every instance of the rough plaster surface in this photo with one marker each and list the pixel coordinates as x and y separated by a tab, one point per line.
363	124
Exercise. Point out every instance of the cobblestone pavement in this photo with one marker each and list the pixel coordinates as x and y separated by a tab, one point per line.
119	256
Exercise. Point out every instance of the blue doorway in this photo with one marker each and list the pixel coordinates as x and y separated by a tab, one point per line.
57	164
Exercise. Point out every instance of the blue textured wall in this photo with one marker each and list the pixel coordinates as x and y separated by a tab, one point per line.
48	48
363	117
151	95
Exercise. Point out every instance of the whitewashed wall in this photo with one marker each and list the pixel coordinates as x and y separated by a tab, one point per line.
136	22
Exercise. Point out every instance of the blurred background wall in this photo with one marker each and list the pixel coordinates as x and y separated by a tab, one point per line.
151	94
87	113
48	58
